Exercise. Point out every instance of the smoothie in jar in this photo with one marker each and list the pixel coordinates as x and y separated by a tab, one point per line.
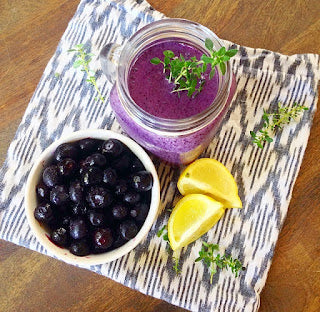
172	125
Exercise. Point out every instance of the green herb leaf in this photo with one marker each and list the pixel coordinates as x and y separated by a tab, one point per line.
213	71
206	59
176	265
207	255
188	75
83	60
155	61
168	53
222	68
159	233
231	52
209	44
274	121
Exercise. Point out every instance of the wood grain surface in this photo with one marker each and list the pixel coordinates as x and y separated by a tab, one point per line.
29	33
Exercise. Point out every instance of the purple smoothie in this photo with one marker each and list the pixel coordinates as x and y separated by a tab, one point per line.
152	92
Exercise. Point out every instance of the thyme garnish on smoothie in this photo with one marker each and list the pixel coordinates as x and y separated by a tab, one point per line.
188	75
83	60
277	120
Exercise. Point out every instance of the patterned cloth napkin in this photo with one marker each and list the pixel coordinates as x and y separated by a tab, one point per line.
64	103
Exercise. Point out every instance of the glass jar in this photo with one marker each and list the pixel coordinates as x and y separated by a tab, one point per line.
177	141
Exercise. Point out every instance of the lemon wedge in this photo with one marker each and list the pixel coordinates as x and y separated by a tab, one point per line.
211	177
193	216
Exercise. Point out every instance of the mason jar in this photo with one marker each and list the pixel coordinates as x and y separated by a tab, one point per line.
177	141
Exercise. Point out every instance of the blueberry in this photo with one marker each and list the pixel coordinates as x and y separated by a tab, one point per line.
65	221
51	176
91	176
142	181
59	195
96	159
134	212
99	197
66	150
136	165
128	229
112	148
60	236
102	238
131	197
119	241
67	167
110	177
80	248
96	218
44	213
120	188
78	228
43	191
122	163
140	212
76	191
79	209
119	211
87	146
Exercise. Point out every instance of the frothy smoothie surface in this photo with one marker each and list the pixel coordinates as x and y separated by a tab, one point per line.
152	91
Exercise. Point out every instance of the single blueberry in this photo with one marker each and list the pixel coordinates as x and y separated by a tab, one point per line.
128	229
99	197
76	191
78	228
120	188
96	218
51	176
122	163
140	212
88	146
66	150
119	211
112	148
102	238
59	195
43	191
131	197
91	176
110	177
60	236
67	167
142	181
80	248
44	213
136	165
96	159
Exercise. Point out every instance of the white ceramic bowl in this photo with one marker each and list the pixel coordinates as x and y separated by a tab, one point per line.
31	199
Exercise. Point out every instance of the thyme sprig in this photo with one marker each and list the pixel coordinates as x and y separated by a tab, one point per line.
274	121
83	60
212	259
163	232
188	75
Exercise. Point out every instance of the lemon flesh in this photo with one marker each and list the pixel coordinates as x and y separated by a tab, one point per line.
209	176
193	216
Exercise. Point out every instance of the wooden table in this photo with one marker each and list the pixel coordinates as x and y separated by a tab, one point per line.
29	33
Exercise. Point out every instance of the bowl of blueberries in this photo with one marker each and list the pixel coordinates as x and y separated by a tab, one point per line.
92	196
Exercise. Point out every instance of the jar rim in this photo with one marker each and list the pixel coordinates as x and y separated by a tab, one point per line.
152	32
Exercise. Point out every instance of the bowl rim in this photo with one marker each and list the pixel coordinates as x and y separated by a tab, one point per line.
31	198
